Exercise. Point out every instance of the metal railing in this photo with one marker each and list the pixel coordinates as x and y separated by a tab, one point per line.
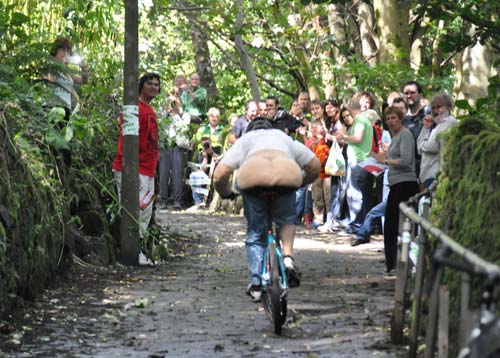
412	272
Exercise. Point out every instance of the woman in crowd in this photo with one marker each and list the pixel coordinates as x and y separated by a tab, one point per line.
318	114
400	158
332	111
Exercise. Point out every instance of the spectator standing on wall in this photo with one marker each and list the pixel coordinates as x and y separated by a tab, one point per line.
195	99
64	84
174	143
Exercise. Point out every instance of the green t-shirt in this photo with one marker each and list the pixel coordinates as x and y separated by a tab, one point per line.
357	152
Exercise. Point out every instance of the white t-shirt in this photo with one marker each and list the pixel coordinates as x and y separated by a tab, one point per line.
266	139
63	89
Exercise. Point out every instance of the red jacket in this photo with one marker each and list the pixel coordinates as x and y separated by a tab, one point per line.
148	142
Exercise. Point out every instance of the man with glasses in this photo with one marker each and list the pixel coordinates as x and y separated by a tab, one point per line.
414	117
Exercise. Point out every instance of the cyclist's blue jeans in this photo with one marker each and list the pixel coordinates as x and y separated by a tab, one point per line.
255	207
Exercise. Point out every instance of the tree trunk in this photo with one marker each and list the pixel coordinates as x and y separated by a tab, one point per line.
336	16
436	50
325	58
245	59
402	36
387	26
367	35
474	68
203	62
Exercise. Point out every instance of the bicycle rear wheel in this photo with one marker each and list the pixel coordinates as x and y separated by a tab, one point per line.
278	299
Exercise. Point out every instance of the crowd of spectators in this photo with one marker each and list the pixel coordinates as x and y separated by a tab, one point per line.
400	138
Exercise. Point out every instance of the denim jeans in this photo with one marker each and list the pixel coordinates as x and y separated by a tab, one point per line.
303	203
360	196
256	213
378	211
199	191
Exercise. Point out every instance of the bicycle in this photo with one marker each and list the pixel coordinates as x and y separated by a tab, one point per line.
274	278
483	340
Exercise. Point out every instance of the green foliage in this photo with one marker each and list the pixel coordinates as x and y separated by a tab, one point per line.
482	14
467	201
385	78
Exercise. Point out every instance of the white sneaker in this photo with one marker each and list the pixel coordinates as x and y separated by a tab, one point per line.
255	292
337	225
292	272
325	228
144	261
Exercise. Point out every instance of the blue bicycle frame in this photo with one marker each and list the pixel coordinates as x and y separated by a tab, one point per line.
266	276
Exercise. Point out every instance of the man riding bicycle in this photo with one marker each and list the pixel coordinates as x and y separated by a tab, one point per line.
267	159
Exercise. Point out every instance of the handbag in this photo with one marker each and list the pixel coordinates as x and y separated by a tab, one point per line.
335	164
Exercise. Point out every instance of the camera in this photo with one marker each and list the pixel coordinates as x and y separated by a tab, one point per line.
206	146
76	60
427	110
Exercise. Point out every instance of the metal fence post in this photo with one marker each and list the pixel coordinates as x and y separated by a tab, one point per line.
465	315
398	315
432	317
419	281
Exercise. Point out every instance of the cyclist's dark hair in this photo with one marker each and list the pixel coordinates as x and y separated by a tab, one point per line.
149	76
259	123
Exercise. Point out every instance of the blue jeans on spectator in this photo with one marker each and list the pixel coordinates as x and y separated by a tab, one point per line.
255	209
303	203
198	189
365	231
360	196
300	197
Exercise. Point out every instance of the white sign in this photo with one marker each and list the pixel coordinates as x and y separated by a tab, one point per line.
130	124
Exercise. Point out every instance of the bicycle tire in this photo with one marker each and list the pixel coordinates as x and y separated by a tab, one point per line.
277	298
266	291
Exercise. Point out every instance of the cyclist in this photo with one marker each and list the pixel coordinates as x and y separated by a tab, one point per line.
267	158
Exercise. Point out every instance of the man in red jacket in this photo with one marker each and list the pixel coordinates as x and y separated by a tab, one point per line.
149	87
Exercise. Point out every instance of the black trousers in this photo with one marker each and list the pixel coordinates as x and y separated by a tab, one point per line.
399	192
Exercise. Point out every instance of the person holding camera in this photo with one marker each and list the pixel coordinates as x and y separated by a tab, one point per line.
209	143
65	82
63	86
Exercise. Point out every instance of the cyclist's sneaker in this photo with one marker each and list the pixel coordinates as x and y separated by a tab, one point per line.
292	272
254	291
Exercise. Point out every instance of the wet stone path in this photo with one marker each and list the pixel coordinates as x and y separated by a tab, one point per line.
195	304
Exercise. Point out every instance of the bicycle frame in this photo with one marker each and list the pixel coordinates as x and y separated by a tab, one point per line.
266	276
